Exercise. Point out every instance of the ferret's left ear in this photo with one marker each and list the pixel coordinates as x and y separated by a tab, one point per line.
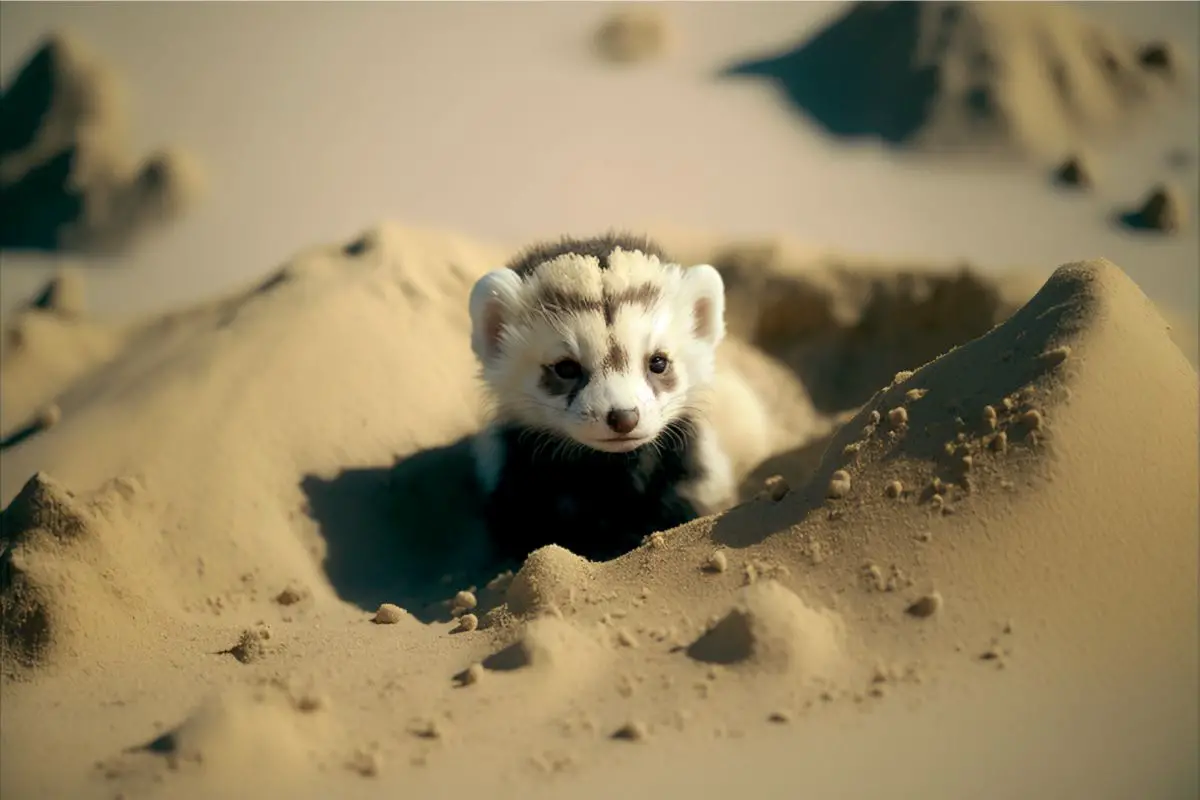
704	291
493	298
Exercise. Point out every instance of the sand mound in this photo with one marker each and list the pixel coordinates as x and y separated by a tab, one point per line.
66	181
546	643
1032	79
304	438
240	734
771	628
633	35
549	577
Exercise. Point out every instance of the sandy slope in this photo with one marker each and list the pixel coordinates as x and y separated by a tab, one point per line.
277	439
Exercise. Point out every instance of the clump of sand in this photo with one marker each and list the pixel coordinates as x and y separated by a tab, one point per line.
633	35
67	182
308	432
1163	209
1026	79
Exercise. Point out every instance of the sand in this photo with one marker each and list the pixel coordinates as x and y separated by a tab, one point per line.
67	181
198	554
1013	79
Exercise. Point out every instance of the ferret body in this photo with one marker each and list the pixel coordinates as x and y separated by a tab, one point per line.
597	354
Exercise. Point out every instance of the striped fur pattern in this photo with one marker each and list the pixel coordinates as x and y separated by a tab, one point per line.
568	334
597	354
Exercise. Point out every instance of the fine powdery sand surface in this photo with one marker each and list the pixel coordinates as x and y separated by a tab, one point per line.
975	578
241	553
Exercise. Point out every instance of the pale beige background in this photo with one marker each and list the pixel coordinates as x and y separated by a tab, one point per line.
317	119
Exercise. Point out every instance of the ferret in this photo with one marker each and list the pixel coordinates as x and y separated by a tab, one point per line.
597	355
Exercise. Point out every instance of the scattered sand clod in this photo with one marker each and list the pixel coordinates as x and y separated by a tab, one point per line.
464	601
894	489
473	674
633	35
898	417
467	623
633	731
1075	173
925	606
1163	209
839	485
64	294
1057	355
389	614
717	562
252	645
292	595
776	487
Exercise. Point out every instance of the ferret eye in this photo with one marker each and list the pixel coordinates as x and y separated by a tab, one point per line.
567	369
658	363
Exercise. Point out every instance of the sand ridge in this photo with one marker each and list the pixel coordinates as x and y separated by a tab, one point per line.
339	483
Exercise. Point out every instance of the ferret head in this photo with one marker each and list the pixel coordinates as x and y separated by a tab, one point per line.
601	341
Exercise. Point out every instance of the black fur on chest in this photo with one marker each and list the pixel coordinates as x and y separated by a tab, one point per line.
597	505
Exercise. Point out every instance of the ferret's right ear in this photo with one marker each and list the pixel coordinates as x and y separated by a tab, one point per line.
493	300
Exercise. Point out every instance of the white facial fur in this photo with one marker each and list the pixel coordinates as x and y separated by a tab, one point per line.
611	322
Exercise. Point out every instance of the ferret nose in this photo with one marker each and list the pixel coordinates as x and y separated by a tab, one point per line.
623	420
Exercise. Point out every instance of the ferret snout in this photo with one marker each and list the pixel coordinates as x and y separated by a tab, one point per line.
623	420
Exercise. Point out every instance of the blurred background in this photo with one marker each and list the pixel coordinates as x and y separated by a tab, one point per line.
288	125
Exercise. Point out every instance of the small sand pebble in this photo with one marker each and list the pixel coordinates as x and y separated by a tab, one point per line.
717	562
389	614
626	639
1057	356
902	376
839	484
925	536
894	489
989	418
999	442
308	703
366	764
467	623
873	417
49	416
777	487
937	502
926	606
465	601
915	394
967	462
898	416
632	732
851	449
472	675
657	540
780	716
290	596
1032	419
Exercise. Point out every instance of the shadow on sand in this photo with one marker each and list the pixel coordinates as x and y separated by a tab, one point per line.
410	534
828	79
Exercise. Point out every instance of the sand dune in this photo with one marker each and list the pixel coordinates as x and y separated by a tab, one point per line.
194	553
1012	78
67	181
